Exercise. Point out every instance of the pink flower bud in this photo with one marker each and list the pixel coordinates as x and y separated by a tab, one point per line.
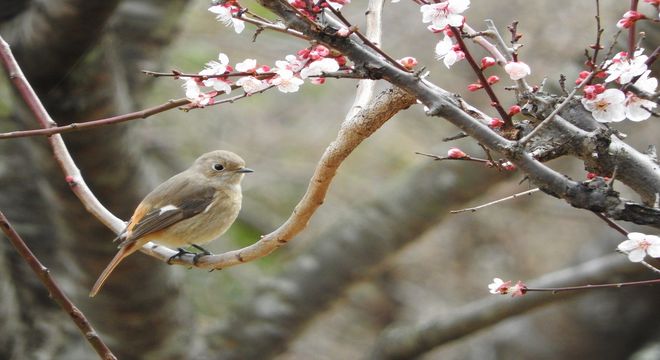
509	166
493	79
474	87
456	153
408	62
495	123
514	109
487	62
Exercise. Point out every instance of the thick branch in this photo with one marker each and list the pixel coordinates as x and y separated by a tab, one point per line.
441	104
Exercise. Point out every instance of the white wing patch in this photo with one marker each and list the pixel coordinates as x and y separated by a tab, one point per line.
209	206
167	208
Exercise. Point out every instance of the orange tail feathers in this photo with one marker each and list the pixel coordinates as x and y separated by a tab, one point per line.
123	252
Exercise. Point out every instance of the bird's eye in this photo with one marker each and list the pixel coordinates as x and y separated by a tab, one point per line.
218	167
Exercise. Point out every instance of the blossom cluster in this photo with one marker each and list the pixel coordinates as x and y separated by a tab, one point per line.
287	75
613	105
504	287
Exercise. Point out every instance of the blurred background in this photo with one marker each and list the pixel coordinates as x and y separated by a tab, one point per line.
383	250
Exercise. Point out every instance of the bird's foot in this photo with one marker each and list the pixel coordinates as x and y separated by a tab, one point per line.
200	255
179	254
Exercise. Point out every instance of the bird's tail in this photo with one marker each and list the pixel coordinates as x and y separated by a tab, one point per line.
123	252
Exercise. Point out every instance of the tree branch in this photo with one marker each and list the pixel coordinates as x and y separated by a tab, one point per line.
55	292
405	342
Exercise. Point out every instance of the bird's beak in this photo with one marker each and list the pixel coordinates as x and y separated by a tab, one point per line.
244	170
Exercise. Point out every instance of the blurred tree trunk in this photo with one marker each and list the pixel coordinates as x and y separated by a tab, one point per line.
83	59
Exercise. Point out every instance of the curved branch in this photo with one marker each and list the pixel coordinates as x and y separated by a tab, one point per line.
352	133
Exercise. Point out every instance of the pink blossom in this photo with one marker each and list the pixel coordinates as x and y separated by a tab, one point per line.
445	13
624	69
635	105
639	245
607	106
225	16
316	68
517	70
448	52
251	85
247	65
499	287
291	62
514	109
519	289
286	82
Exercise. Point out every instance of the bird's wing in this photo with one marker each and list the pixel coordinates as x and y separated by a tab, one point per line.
185	203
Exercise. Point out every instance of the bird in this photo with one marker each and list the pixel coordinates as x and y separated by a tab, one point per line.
191	208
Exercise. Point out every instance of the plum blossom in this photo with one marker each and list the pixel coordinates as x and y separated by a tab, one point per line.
519	289
499	287
639	245
225	16
191	88
214	68
286	81
636	106
195	95
607	106
247	65
251	84
517	70
625	69
319	67
445	13
290	62
449	53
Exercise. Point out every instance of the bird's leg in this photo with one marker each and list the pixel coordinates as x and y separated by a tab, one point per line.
179	254
203	252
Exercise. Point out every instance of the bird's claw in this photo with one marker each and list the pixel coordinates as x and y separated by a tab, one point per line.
179	254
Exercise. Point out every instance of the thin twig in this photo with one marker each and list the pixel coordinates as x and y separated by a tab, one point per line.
142	114
473	209
559	108
262	24
55	291
556	290
465	158
495	102
366	41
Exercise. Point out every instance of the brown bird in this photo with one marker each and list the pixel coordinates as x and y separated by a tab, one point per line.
191	208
